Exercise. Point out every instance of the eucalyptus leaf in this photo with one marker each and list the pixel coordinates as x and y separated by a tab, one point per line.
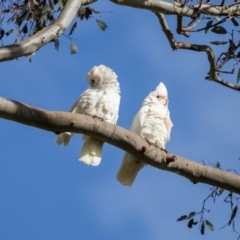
209	225
234	21
56	44
219	30
102	24
73	48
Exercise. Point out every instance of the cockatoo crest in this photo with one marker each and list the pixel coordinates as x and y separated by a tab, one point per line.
161	90
159	95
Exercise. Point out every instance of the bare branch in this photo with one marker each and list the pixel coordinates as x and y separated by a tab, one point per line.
121	138
172	8
46	35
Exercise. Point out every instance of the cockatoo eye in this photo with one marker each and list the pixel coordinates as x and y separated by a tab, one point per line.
158	96
92	81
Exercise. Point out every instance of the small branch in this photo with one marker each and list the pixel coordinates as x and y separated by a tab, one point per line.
213	71
166	30
205	28
119	137
225	83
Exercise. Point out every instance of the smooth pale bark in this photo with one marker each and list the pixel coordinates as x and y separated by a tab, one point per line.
46	35
128	141
173	8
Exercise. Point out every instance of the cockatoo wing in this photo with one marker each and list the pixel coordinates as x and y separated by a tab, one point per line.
64	138
130	166
143	113
168	124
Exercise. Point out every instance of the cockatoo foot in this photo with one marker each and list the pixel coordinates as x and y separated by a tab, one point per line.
164	150
101	119
170	158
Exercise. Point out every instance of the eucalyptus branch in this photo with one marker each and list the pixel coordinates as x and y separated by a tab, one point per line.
171	8
213	71
44	36
121	138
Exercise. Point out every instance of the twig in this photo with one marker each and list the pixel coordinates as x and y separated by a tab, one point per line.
213	73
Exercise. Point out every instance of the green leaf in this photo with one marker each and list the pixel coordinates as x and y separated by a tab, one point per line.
209	225
218	42
18	32
219	30
56	44
208	25
102	25
220	191
234	21
60	4
191	214
29	58
238	76
202	228
93	10
73	48
218	165
72	28
186	217
51	4
233	215
183	217
45	10
1	33
5	11
190	223
25	29
9	32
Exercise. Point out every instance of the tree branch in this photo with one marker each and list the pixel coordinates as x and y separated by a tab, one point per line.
46	35
119	137
171	8
213	71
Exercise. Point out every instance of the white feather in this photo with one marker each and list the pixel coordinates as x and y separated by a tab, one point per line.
102	100
152	122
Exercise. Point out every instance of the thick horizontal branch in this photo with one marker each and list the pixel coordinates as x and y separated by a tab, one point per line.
46	35
119	137
172	8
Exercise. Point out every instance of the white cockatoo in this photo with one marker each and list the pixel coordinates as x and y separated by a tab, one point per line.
152	122
102	101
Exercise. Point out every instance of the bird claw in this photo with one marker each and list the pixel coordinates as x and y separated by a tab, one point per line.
164	150
101	119
170	158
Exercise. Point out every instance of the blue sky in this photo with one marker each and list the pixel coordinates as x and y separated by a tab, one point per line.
47	194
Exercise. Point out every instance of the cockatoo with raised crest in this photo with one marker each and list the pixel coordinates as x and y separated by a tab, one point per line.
102	101
152	122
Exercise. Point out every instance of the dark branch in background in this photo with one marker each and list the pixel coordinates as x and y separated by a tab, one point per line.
213	71
44	36
121	138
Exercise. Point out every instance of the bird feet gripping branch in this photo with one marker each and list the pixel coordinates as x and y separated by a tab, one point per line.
99	118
